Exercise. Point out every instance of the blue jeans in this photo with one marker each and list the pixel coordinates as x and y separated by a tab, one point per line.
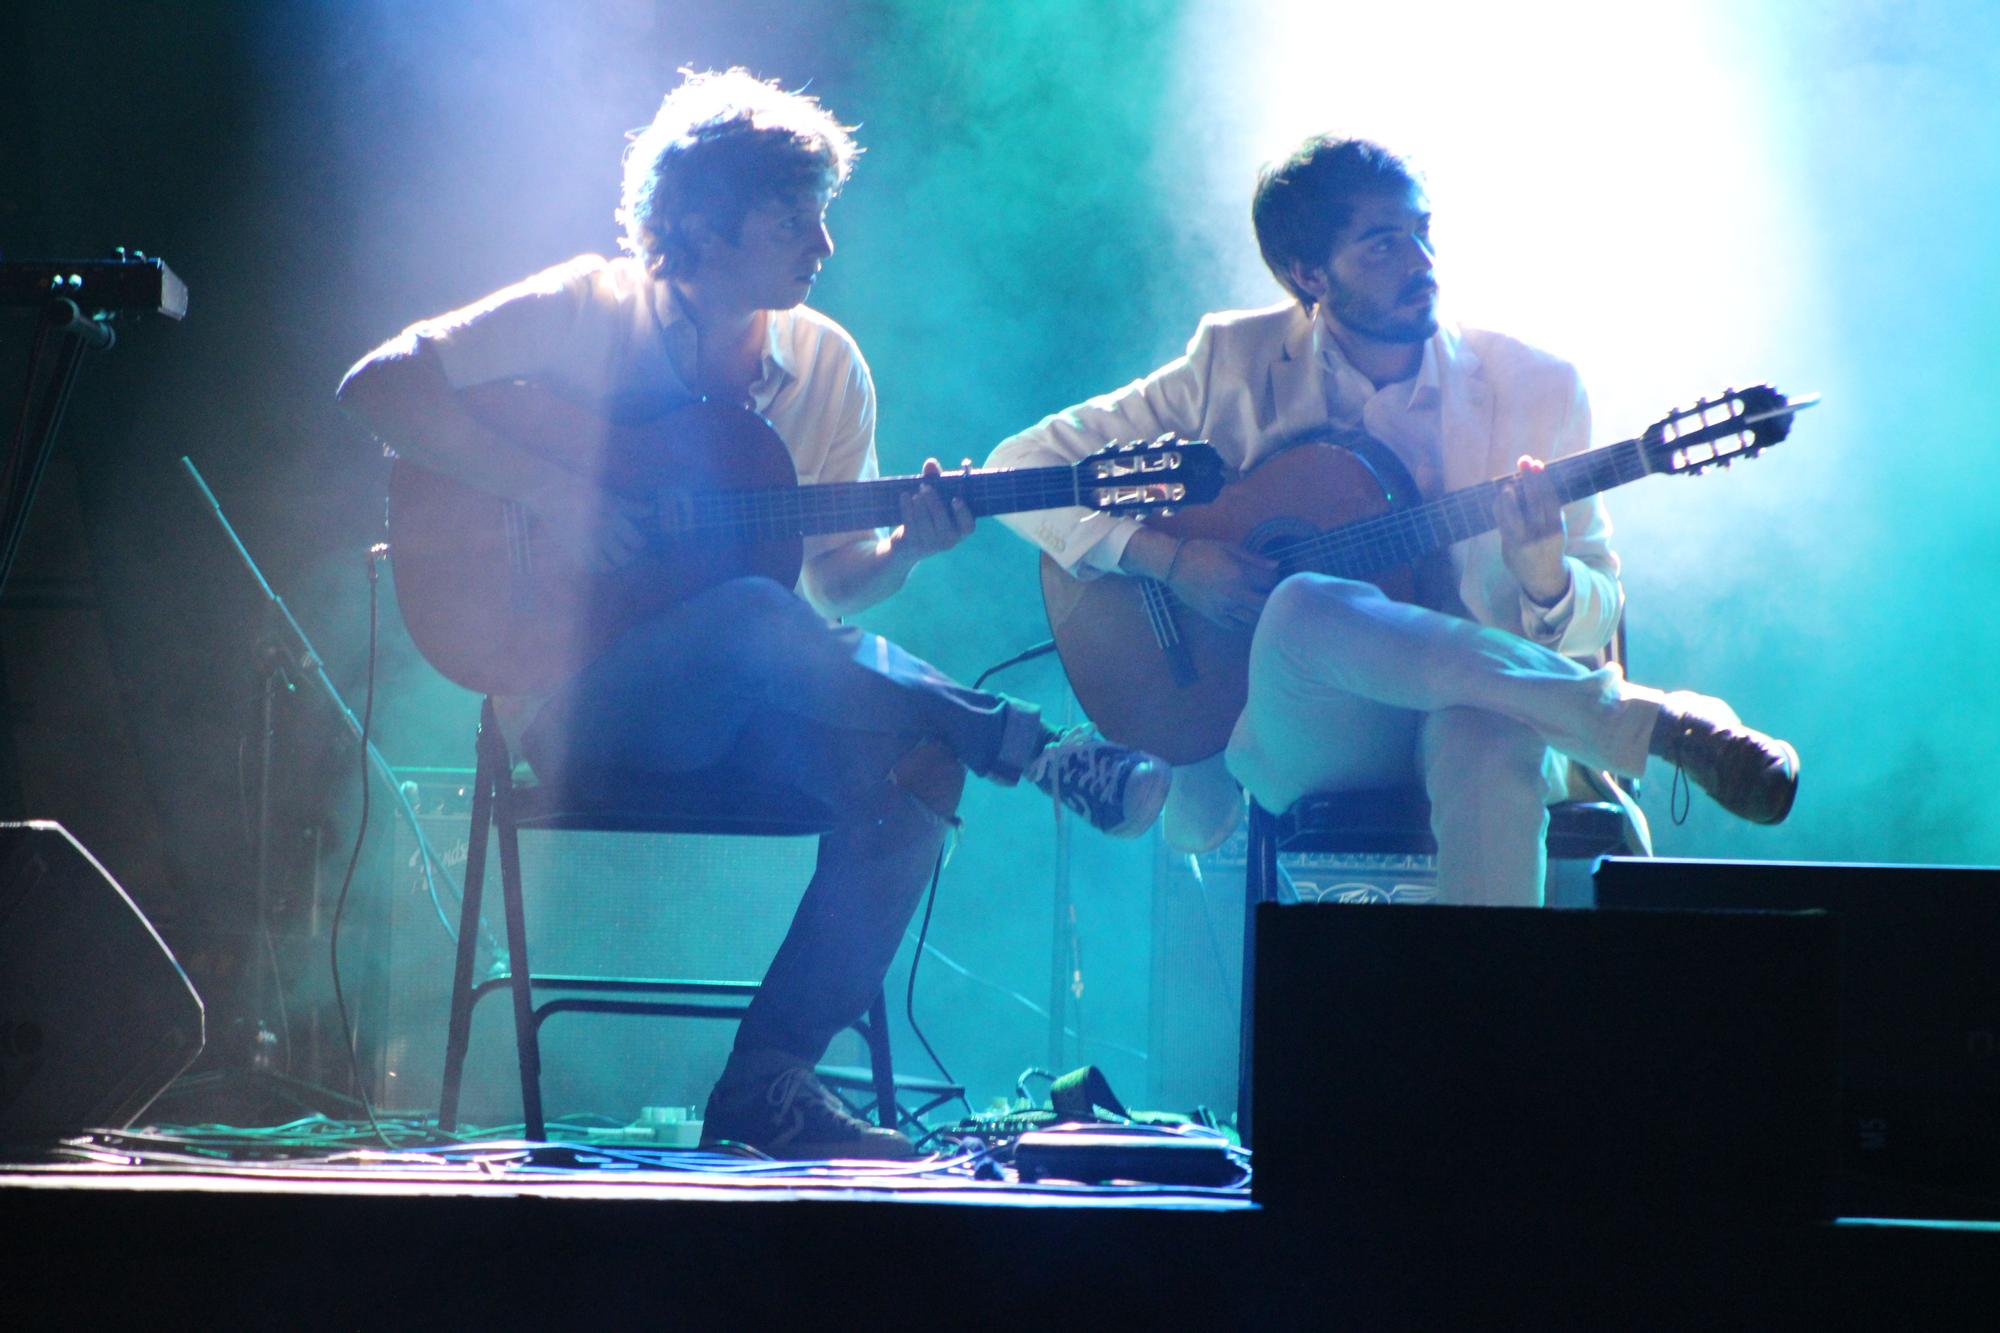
747	680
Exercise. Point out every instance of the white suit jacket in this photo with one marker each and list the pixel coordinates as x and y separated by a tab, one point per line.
1250	379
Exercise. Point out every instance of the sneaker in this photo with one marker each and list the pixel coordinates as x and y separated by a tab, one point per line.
1119	790
1749	774
771	1101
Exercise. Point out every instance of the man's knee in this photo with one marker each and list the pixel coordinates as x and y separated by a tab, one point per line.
1307	614
757	622
932	775
757	600
1473	754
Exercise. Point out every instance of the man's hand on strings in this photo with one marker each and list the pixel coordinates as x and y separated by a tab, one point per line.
1529	514
932	524
600	531
1222	581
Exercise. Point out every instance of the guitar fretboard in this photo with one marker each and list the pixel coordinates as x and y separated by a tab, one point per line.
851	506
1401	536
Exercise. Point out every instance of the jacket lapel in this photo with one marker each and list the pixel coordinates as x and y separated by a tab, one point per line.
1298	396
1467	413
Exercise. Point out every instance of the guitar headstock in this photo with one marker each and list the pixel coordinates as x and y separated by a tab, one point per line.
1138	477
1737	423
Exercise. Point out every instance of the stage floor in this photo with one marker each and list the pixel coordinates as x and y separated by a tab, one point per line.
204	1227
320	1156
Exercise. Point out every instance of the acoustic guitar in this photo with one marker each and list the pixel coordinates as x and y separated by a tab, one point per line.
496	605
1153	674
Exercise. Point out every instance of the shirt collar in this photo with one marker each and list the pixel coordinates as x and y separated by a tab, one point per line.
1424	386
777	367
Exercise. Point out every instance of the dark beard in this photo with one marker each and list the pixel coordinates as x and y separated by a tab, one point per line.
1381	325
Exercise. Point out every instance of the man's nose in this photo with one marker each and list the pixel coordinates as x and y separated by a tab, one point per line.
823	242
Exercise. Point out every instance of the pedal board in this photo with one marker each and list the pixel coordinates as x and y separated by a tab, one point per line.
1093	1155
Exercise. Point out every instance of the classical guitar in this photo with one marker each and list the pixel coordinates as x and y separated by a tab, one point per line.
1153	674
497	606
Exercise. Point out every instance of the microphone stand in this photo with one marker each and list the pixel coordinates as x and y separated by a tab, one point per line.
287	652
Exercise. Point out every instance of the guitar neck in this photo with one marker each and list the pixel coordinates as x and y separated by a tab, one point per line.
1355	550
853	506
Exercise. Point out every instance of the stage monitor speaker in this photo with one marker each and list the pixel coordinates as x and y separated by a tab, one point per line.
1919	1013
1444	1068
96	1017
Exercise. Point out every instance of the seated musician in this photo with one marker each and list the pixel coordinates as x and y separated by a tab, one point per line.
1479	694
724	215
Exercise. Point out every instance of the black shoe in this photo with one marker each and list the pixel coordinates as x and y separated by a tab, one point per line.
1749	774
771	1101
1119	790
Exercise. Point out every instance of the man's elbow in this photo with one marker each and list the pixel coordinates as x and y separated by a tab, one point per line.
388	379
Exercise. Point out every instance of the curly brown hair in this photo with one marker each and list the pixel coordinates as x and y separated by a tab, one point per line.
722	143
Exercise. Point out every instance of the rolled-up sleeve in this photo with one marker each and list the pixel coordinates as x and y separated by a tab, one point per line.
1168	401
850	450
1584	619
522	330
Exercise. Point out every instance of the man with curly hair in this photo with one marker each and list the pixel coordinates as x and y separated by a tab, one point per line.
724	215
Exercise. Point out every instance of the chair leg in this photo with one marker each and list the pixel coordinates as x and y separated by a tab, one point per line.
459	1035
527	1033
1260	874
877	1037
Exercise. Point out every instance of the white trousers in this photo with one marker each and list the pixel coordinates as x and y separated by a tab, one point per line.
1349	689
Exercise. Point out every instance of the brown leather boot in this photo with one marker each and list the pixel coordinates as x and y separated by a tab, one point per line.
1749	774
772	1101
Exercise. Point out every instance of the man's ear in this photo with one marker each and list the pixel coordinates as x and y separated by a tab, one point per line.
1310	279
700	234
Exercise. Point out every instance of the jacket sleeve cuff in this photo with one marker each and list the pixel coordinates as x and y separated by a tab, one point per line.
1546	624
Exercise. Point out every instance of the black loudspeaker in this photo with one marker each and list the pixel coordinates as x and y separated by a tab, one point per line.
96	1017
1440	1068
1919	1014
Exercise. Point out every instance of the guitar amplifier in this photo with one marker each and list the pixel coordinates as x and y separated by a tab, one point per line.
605	904
1195	986
1919	1026
1457	1069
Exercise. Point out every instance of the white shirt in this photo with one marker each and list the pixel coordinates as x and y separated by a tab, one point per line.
610	336
1403	415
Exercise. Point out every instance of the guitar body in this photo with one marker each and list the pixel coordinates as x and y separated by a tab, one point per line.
1176	688
496	605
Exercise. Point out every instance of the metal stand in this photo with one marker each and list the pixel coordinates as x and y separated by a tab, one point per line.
287	655
64	334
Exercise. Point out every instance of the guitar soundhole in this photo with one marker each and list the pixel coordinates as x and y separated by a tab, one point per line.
1275	536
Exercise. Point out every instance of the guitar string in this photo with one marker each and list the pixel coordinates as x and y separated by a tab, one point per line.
1392	538
1403	535
849	506
1407	534
1159	615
